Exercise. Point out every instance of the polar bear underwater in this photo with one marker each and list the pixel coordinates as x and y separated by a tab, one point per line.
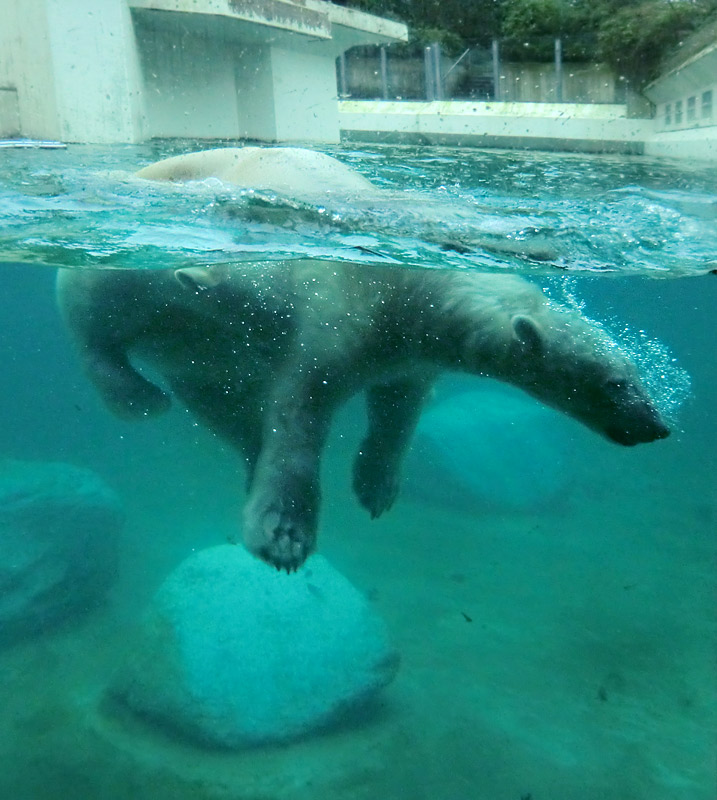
263	354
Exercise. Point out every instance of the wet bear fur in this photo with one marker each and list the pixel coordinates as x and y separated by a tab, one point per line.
264	354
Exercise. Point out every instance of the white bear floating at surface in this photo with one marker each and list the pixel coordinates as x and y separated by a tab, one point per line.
290	171
264	354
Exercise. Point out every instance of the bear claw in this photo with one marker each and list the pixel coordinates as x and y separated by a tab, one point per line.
376	493
284	542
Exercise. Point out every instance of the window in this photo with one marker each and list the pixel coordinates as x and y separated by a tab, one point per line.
678	112
707	104
691	108
668	113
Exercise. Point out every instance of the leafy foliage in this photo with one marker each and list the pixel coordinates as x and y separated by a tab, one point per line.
467	22
530	27
633	36
636	38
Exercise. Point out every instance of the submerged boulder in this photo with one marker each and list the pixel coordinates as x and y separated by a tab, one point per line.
59	526
233	653
491	448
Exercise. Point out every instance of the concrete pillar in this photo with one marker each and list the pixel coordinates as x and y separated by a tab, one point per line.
183	97
497	88
437	70
343	81
9	113
253	91
98	84
304	96
429	73
26	70
558	71
384	73
74	68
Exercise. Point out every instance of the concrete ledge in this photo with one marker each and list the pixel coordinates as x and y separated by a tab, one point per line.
501	142
691	76
699	144
474	108
544	126
251	20
381	30
269	13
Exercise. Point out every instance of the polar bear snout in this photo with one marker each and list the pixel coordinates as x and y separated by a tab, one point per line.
648	429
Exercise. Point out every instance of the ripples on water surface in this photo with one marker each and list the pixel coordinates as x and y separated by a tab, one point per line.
442	207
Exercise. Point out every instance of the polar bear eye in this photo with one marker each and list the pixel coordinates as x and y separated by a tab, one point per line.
614	385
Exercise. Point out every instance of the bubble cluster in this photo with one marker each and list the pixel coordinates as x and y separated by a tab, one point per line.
667	383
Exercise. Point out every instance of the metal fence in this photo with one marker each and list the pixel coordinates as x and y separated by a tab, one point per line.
506	71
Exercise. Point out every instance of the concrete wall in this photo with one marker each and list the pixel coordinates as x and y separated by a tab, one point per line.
305	97
697	145
74	69
9	113
98	82
684	126
256	91
26	70
256	110
180	99
126	70
686	97
545	126
686	108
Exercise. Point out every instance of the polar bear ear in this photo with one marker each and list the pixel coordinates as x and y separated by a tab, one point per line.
198	279
527	331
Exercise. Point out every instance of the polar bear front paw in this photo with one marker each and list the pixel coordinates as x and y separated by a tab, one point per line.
282	536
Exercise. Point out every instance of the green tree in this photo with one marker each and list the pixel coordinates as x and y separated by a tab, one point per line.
527	19
636	39
456	24
633	36
530	28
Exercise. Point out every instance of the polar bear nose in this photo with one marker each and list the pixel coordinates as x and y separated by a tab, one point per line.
662	432
638	434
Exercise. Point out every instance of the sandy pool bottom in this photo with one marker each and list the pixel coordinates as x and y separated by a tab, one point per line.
565	654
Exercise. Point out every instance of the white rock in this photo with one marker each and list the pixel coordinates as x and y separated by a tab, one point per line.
59	527
232	652
490	448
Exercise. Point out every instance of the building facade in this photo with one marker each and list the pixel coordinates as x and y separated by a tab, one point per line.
130	70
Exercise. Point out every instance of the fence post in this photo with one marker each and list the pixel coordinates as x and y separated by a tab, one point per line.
343	91
438	80
428	70
384	74
559	70
497	92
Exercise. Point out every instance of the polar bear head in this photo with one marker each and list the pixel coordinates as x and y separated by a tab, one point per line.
570	363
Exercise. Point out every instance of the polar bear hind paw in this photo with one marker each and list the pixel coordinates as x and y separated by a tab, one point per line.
375	484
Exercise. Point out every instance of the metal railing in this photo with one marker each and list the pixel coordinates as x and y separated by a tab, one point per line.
540	71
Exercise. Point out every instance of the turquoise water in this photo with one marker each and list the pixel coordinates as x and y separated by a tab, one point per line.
440	207
563	650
